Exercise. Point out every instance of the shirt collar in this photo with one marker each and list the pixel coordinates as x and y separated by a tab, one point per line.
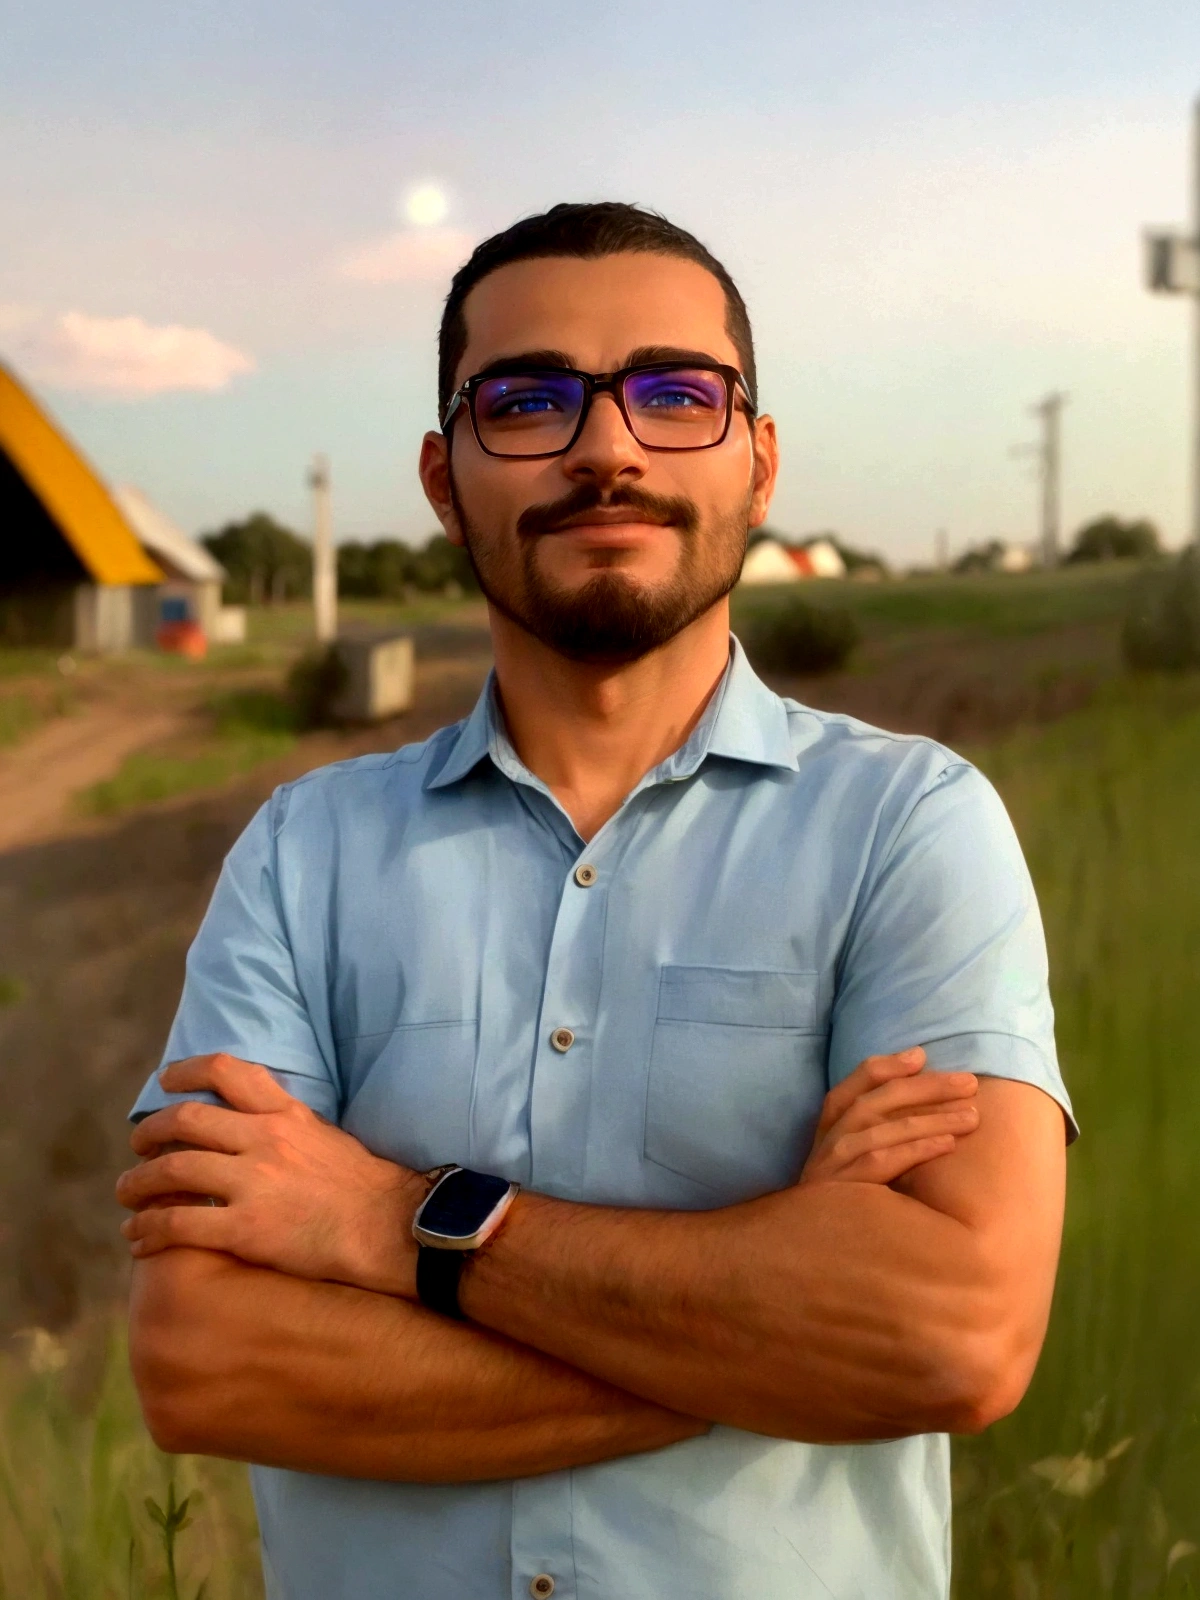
743	721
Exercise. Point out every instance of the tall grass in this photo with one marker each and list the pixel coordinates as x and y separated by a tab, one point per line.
1107	804
76	1472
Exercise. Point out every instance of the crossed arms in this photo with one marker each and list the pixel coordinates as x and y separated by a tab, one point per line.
902	1286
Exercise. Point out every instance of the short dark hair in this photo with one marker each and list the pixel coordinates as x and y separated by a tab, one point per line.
601	228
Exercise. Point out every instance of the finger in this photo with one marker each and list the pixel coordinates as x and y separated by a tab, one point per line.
195	1123
243	1085
849	1147
902	1096
202	1227
181	1172
885	1166
868	1075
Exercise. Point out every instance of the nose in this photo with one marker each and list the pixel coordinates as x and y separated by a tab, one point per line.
605	451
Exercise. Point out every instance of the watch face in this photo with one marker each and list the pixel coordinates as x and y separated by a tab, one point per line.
460	1205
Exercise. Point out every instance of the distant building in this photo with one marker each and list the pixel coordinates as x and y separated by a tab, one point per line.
1014	558
193	577
772	561
995	556
81	567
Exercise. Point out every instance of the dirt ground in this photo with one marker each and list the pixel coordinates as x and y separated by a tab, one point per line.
96	916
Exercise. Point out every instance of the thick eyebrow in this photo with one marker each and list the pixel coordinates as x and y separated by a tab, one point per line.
649	354
527	358
644	355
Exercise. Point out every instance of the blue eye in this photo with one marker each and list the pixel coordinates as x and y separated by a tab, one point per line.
681	390
673	397
523	404
528	397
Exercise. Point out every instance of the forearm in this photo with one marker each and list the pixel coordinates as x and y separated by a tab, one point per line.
830	1312
240	1361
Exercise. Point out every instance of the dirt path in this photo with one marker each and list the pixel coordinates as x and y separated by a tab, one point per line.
40	777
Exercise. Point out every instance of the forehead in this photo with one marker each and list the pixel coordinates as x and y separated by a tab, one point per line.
595	312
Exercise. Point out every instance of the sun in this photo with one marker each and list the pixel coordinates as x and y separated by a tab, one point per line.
426	205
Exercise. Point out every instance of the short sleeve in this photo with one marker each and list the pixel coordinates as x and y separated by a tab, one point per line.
946	950
241	994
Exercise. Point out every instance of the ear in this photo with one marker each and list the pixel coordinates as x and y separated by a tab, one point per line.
766	470
435	480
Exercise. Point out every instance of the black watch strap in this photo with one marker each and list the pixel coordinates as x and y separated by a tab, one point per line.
438	1274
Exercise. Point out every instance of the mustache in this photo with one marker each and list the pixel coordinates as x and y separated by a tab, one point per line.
674	510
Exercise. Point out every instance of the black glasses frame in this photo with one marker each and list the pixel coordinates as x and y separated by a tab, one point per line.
595	383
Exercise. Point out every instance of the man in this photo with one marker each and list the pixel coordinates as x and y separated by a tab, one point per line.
620	938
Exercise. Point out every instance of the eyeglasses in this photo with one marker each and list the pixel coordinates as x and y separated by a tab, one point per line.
530	412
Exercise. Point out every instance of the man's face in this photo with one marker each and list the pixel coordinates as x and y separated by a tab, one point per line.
609	550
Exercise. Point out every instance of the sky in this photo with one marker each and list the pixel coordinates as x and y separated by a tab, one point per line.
229	228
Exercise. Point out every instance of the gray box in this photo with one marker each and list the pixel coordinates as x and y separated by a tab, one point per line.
379	678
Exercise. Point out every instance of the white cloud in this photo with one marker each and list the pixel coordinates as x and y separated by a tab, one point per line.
125	357
413	255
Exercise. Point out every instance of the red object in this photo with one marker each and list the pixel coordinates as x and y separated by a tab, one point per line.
803	562
182	639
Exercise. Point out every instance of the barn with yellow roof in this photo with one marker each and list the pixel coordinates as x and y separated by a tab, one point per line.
82	566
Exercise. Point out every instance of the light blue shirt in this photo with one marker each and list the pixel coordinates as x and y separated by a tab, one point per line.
399	937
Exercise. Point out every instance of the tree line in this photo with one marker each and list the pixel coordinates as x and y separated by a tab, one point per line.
268	563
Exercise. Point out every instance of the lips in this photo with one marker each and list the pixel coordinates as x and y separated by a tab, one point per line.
602	524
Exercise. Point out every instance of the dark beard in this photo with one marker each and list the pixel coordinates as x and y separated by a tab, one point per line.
609	619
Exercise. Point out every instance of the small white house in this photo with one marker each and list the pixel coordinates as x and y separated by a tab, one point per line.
769	562
1014	558
772	561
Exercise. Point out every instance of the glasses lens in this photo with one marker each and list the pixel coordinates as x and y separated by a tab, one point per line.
528	413
680	409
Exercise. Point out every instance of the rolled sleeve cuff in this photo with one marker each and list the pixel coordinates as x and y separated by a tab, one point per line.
1002	1055
297	1077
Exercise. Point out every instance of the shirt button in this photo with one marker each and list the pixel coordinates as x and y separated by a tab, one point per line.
585	875
542	1587
562	1039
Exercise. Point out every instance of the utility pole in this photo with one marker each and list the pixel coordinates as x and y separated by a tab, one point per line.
941	550
1049	455
1173	267
324	582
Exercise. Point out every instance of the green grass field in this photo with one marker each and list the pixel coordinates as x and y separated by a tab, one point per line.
1093	1487
986	603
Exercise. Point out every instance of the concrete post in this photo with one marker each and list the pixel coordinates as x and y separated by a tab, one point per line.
324	554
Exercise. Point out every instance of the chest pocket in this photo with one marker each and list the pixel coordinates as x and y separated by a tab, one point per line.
736	1079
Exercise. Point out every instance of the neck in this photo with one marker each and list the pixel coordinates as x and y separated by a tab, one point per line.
591	732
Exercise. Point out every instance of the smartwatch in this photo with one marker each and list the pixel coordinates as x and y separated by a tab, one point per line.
460	1212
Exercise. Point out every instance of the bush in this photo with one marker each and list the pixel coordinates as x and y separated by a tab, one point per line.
1110	539
314	683
786	634
1162	625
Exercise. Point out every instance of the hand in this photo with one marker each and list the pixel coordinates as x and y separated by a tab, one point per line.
888	1117
286	1189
